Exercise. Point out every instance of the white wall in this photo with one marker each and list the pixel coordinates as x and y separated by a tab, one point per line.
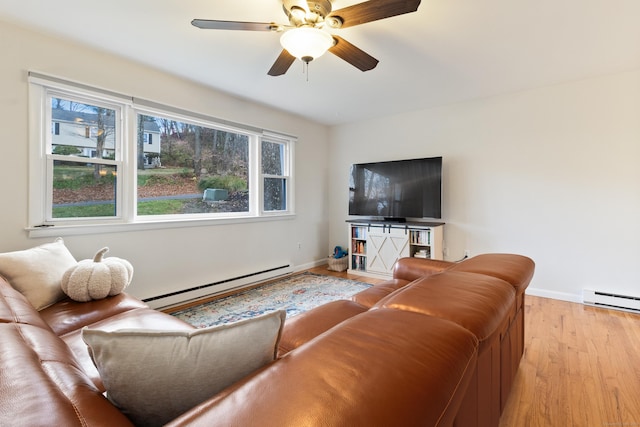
552	173
171	259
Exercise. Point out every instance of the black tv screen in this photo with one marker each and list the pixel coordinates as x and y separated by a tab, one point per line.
397	189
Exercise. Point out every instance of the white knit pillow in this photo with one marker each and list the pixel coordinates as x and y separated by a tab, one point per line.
97	278
37	272
154	376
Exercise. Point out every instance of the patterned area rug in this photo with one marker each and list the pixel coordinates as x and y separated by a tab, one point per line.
294	294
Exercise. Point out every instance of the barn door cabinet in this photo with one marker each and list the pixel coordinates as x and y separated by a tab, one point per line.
374	247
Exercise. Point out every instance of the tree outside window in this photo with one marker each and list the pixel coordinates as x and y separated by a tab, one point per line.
104	157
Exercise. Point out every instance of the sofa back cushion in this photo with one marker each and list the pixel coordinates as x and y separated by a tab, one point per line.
481	304
14	307
42	385
410	268
304	327
514	269
378	368
154	376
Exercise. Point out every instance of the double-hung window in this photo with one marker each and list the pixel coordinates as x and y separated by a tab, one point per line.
100	158
275	174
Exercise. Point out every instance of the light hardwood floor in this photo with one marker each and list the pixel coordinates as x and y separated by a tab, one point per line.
581	366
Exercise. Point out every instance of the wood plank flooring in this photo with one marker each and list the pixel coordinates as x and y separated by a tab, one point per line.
581	366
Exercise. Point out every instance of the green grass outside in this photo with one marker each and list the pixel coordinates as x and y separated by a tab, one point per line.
155	207
161	207
75	177
107	210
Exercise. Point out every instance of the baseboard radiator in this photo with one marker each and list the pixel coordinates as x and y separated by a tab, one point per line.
211	289
610	300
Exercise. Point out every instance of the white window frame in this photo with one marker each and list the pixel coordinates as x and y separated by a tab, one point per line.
40	222
286	174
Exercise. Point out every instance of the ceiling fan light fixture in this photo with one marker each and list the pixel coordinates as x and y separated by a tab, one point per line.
306	43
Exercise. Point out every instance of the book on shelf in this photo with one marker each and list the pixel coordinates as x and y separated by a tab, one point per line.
358	247
422	253
359	233
358	262
421	237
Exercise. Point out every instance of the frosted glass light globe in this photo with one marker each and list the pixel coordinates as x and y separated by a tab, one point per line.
306	43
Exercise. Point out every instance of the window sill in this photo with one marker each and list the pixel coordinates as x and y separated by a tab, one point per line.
83	229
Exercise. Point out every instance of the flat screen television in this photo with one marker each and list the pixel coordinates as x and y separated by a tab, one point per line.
396	190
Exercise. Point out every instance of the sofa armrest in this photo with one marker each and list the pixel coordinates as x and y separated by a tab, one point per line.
67	315
411	269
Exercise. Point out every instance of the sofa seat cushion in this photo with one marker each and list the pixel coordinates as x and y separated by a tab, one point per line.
138	318
15	308
68	315
481	304
362	372
306	326
42	385
370	296
154	376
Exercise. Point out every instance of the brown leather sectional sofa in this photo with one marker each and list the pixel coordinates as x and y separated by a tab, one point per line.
437	345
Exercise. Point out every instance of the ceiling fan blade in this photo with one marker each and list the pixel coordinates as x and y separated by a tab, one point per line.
282	64
210	24
353	55
373	10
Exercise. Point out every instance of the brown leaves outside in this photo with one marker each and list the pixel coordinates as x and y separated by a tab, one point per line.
179	185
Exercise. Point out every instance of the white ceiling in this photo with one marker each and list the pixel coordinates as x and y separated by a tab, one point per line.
446	52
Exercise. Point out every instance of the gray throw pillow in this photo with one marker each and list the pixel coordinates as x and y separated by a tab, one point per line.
154	376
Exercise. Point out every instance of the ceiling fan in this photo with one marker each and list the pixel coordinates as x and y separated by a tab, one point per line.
305	37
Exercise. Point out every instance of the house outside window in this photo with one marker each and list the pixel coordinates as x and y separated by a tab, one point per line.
84	159
111	159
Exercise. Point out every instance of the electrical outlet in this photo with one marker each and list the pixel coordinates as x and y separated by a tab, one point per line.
299	245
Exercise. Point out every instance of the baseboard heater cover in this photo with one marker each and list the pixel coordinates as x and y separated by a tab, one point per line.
611	300
210	289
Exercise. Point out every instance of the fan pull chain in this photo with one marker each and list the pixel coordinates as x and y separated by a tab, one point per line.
305	65
305	69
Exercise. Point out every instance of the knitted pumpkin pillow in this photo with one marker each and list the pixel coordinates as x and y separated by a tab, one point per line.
97	278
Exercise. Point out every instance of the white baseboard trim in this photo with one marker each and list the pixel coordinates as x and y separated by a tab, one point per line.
562	296
181	297
306	266
536	292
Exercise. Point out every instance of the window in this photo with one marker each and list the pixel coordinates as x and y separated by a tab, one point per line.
81	158
99	158
274	175
205	168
